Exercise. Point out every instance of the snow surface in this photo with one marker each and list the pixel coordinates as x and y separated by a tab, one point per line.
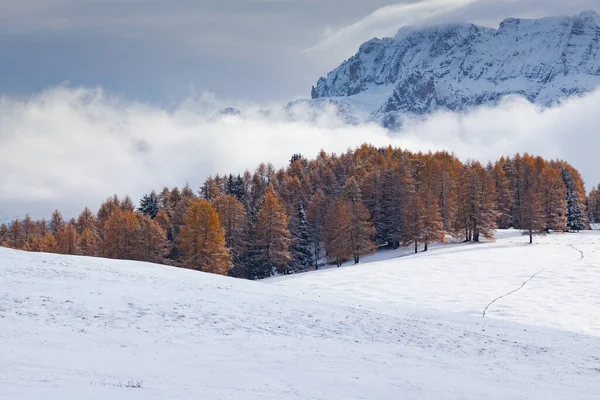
398	326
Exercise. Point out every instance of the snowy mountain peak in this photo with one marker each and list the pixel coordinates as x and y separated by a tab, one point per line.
460	66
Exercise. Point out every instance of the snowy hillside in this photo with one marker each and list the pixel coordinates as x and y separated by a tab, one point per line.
460	66
408	327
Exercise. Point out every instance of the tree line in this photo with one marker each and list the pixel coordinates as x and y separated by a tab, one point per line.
337	207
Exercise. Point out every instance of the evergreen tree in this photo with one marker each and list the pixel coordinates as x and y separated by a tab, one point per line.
302	254
235	187
149	205
252	267
576	214
317	217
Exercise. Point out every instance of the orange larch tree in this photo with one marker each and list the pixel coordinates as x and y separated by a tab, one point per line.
202	239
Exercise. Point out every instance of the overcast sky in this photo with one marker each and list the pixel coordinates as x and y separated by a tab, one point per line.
252	50
163	66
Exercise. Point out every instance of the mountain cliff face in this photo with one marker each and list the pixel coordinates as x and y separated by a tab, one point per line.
460	66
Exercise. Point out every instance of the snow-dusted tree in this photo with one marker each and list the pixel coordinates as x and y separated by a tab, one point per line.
48	243
3	235
394	197
210	190
576	211
252	267
149	204
29	227
127	204
56	221
42	227
302	249
414	216
361	230
86	220
433	223
273	236
504	195
89	241
593	204
106	209
163	220
476	214
446	167
67	239
554	194
317	217
235	187
202	239
433	226
152	240
336	232
16	238
232	216
120	235
174	199
164	200
532	218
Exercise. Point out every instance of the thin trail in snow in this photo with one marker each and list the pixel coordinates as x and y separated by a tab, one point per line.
529	280
580	252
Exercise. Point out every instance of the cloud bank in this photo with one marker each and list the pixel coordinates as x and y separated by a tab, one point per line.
68	147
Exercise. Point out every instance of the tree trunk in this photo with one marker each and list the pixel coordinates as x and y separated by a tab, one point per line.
416	247
425	249
530	236
356	259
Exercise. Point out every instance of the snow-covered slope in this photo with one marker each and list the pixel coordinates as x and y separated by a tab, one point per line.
460	66
74	328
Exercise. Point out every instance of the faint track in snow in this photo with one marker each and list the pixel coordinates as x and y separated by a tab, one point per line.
580	252
529	280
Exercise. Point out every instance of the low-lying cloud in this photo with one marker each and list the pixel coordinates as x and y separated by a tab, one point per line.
68	148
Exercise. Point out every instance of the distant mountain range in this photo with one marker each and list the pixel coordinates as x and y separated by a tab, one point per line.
457	67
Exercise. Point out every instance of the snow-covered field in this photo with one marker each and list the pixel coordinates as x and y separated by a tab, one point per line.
398	326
